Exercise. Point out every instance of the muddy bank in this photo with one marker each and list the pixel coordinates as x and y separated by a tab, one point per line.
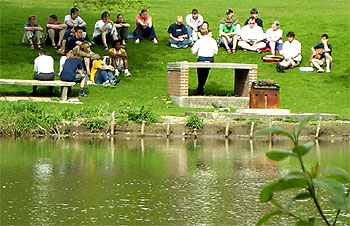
176	127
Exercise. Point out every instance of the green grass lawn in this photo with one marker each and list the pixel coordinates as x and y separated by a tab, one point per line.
300	91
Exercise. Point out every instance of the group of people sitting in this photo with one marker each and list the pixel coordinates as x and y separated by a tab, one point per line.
249	37
71	40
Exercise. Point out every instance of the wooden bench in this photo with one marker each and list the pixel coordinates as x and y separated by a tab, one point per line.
64	85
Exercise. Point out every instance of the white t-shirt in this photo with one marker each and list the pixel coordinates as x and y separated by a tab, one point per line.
77	21
255	33
205	46
43	64
194	23
291	49
274	35
99	24
62	61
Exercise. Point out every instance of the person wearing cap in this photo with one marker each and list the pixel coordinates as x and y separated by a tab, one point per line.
178	34
274	37
228	36
252	37
206	48
254	13
235	21
291	52
194	21
54	32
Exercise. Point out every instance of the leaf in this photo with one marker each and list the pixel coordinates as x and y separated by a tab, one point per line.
300	196
268	216
302	123
314	172
336	190
304	223
278	155
272	130
312	220
276	203
294	179
338	174
341	202
300	150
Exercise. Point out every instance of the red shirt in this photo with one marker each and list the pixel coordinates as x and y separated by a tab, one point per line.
56	30
144	21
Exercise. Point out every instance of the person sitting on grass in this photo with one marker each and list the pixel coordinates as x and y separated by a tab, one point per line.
33	32
322	55
194	21
178	34
122	28
228	36
254	13
144	27
102	72
54	32
119	58
205	25
73	71
230	15
104	31
252	37
72	20
43	69
291	52
274	37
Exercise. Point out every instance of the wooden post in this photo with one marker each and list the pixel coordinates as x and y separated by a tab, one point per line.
318	127
227	128
143	128
112	123
168	130
251	130
195	133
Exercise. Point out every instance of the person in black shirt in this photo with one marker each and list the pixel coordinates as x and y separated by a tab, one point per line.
178	34
254	13
322	54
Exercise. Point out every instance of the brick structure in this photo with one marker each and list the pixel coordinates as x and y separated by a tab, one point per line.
178	74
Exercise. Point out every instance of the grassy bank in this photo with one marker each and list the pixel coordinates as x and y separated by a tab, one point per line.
300	92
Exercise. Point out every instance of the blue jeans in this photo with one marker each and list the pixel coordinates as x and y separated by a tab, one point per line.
180	44
103	75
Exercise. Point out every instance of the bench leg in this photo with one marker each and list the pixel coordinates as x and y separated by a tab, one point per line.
64	93
34	90
51	90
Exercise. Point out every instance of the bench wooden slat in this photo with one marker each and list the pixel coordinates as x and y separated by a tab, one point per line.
179	65
35	82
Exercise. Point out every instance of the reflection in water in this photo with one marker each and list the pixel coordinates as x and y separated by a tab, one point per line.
42	192
144	181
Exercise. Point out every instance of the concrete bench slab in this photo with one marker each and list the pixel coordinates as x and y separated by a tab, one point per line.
22	82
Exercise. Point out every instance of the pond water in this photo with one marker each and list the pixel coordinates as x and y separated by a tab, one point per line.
133	181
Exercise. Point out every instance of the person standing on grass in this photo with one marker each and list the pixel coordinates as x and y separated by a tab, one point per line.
43	69
254	13
178	34
33	32
194	21
322	55
104	31
252	37
73	71
144	27
54	32
274	37
122	28
206	47
119	58
228	36
291	52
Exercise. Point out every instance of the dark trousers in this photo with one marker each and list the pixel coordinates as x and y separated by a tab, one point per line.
140	33
203	74
123	33
43	77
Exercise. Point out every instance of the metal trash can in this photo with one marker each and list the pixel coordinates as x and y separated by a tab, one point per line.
264	94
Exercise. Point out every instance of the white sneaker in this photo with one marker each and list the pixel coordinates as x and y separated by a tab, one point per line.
116	73
89	83
137	41
173	45
155	41
127	74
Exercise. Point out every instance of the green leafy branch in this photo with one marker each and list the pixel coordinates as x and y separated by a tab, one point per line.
307	181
